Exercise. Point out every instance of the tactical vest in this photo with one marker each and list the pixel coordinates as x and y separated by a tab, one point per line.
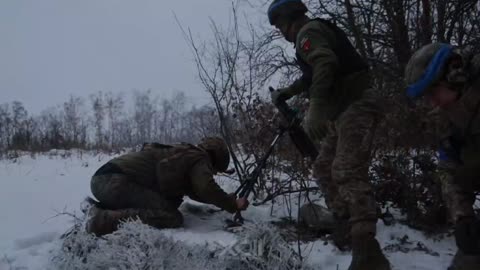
173	171
350	61
163	168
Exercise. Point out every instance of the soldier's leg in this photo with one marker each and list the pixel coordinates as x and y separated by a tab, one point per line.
459	201
124	199
356	127
322	132
322	171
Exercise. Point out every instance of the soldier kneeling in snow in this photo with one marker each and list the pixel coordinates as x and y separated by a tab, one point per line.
150	185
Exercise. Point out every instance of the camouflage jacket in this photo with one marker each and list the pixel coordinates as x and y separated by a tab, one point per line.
463	129
334	74
175	171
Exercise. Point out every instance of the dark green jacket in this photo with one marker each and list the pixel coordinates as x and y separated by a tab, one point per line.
338	73
334	74
175	171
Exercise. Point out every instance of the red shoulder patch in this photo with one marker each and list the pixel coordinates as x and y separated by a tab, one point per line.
305	44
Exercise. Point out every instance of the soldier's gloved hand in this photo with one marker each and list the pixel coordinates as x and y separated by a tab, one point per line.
242	204
278	95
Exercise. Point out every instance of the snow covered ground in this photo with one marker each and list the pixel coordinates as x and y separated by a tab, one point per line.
34	192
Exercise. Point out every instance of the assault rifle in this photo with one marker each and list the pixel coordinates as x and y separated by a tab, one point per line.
299	138
244	190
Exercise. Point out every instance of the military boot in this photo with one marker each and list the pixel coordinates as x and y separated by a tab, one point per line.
341	235
366	254
101	221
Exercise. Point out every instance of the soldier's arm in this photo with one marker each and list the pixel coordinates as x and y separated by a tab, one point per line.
296	88
206	190
314	46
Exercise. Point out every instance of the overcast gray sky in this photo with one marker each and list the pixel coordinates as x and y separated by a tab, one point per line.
50	49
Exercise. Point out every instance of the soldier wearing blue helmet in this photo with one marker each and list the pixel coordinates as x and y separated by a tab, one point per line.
448	77
342	115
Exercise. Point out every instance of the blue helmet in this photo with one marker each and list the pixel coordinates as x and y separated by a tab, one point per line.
425	67
285	8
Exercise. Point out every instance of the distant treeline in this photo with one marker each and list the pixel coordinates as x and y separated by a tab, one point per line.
104	121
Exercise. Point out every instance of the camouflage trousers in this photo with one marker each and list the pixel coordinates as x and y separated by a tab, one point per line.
459	198
341	168
129	200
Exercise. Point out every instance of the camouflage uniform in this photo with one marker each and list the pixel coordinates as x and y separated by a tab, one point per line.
459	172
342	115
449	77
150	184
